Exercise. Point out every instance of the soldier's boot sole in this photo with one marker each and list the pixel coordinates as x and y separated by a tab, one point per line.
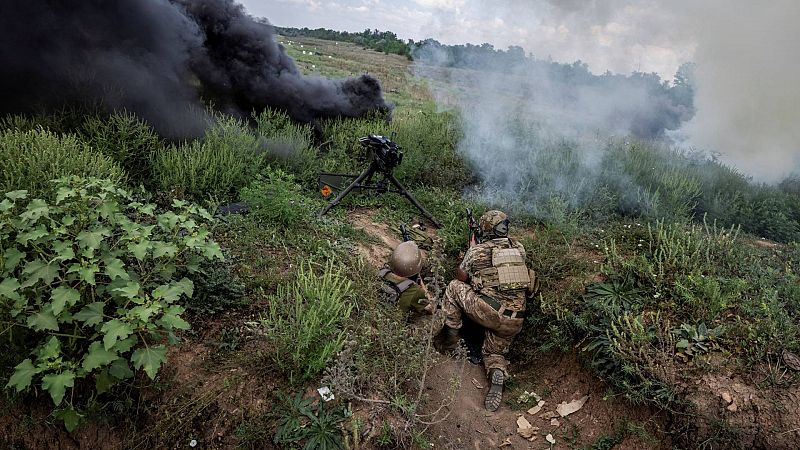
495	395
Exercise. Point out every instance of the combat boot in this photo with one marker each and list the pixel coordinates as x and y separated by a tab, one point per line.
447	340
495	394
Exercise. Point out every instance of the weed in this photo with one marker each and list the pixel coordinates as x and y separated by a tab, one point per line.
297	421
124	138
305	320
30	159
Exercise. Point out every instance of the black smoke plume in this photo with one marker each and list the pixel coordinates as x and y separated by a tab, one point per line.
162	59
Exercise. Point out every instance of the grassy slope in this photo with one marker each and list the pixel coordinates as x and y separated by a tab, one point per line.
654	288
650	284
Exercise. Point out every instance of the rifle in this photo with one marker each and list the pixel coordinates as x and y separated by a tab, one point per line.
475	232
404	233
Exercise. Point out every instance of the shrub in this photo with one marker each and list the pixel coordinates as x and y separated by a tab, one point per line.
277	200
29	159
287	144
126	139
89	287
305	321
220	164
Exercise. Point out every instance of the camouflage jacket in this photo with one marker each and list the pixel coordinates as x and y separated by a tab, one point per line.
479	258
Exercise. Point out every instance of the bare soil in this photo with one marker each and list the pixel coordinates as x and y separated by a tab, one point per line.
558	378
458	419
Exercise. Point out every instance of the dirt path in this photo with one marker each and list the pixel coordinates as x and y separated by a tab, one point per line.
560	378
457	416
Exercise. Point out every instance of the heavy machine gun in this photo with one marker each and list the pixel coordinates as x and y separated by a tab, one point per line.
384	156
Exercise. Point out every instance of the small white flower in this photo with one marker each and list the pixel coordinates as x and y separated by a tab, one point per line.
193	443
639	245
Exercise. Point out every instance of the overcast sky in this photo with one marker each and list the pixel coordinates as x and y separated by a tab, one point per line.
617	35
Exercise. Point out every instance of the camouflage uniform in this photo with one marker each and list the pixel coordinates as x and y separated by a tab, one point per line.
474	300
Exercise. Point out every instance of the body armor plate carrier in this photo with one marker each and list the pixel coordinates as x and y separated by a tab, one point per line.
508	272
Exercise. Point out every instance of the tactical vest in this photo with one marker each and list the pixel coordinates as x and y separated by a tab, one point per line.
508	272
397	289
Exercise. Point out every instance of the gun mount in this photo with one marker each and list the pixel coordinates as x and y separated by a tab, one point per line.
384	156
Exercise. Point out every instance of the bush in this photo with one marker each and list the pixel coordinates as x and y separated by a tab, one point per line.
305	321
276	199
89	287
124	138
217	166
287	144
30	159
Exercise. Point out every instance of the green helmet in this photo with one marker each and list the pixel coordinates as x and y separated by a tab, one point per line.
494	223
406	260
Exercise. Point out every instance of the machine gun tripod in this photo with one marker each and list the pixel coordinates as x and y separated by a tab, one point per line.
385	155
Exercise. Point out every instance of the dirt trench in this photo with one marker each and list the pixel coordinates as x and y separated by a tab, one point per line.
460	421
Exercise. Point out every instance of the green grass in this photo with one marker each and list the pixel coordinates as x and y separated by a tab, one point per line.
30	159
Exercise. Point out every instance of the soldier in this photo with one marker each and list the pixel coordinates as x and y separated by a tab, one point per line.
491	288
402	281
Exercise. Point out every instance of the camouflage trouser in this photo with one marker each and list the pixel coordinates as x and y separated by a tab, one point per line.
459	298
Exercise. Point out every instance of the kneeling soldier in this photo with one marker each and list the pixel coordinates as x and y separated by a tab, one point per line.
491	288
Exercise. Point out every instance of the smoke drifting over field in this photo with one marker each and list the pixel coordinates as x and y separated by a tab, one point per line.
161	59
537	131
747	91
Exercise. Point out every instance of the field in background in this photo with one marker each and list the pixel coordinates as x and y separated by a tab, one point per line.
670	308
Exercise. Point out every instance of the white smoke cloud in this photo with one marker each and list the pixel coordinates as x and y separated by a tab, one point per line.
747	95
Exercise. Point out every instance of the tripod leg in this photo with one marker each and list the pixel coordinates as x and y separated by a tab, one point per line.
356	183
411	198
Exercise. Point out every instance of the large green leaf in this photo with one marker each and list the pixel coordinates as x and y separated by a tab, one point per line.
63	193
164	249
39	270
63	295
98	357
50	350
22	376
91	314
126	344
12	257
8	288
57	384
120	369
6	204
149	359
104	381
171	292
64	250
139	250
171	318
115	268
70	417
108	208
130	290
43	320
92	239
35	209
16	195
113	330
32	235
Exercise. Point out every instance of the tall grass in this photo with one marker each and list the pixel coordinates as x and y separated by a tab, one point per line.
305	320
220	164
30	159
126	139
